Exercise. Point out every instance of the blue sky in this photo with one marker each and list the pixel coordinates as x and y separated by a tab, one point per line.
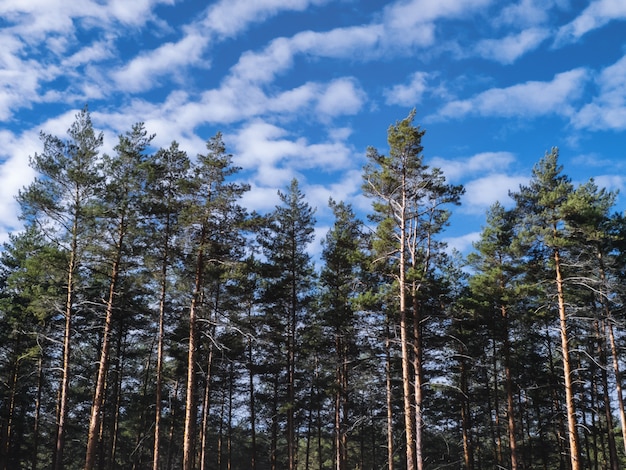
300	88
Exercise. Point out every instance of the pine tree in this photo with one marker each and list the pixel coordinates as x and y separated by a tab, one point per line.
409	200
541	205
122	197
168	175
494	281
214	221
287	294
62	201
343	258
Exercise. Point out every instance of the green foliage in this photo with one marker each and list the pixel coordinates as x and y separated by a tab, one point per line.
292	360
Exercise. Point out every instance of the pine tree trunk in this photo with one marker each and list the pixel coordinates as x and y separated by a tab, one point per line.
572	432
103	365
389	395
601	352
618	381
253	451
7	433
206	406
119	369
407	394
614	353
419	378
65	368
172	433
510	401
190	401
156	452
291	372
35	459
468	451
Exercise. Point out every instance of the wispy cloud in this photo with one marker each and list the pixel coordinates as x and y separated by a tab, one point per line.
608	109
482	193
529	99
486	177
143	72
508	49
409	94
596	15
485	162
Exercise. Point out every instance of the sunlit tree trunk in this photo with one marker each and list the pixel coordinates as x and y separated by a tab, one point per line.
190	401
567	369
389	396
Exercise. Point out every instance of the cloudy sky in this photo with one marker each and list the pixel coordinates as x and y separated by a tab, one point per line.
302	87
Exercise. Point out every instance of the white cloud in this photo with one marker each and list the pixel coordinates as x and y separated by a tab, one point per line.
95	52
485	162
229	17
463	243
345	189
507	50
342	96
404	15
15	174
142	72
35	19
482	193
408	95
608	109
611	182
525	13
596	15
529	99
269	147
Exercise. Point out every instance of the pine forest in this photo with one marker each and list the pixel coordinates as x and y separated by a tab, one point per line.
149	321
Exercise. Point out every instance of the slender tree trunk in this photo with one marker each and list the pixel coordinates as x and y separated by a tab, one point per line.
8	431
274	430
170	442
614	353
35	459
65	368
103	366
121	343
601	352
558	426
572	432
206	406
466	425
252	403
190	401
291	371
156	453
496	403
389	394
229	442
510	400
341	382
419	379
407	395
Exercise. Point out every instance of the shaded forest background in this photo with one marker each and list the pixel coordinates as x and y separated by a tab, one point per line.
149	321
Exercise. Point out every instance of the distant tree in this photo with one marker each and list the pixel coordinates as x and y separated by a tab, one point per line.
287	293
343	259
28	288
493	284
168	176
